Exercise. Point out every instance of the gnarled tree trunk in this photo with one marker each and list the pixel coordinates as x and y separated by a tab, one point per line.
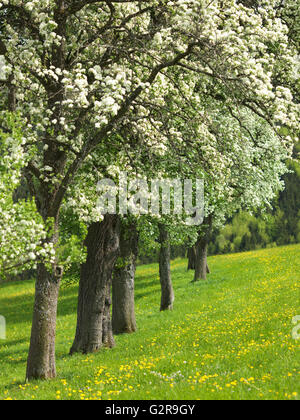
123	310
107	331
93	319
167	292
41	357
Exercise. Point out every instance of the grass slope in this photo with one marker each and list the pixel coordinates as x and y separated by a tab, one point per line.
227	338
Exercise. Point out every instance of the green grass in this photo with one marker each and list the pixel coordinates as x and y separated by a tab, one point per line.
227	338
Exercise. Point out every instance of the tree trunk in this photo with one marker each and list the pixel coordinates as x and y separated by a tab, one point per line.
107	331
123	313
192	258
41	356
167	292
201	269
93	318
201	266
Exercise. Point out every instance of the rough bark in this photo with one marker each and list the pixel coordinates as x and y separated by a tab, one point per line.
107	331
167	292
93	317
123	313
41	357
201	266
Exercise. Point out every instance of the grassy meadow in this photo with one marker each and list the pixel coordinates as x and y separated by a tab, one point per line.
227	338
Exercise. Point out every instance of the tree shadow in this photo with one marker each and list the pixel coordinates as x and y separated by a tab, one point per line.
13	342
18	309
8	353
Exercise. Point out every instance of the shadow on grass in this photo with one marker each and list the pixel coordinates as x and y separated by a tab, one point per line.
18	309
4	356
13	342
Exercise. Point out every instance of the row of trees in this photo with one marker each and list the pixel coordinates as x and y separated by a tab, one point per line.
264	228
187	90
269	227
